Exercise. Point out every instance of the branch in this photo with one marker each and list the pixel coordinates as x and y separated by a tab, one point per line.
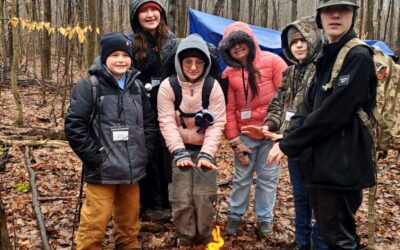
35	202
29	142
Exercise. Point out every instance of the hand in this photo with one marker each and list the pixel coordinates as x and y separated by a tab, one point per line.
206	164
185	163
271	135
275	155
252	131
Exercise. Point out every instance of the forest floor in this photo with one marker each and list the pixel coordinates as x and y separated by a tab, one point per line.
58	172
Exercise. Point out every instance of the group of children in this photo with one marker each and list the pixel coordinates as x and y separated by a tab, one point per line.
121	134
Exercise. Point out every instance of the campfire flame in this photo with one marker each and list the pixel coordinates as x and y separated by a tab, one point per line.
217	238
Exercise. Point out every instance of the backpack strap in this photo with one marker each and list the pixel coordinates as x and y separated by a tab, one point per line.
173	81
340	59
206	91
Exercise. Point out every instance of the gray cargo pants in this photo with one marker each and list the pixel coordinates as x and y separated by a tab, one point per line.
192	194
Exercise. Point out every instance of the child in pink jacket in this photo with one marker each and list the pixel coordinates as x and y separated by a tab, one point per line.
253	77
192	143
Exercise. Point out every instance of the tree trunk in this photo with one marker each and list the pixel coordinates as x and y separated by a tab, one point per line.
182	19
3	41
251	14
81	18
4	239
380	8
46	53
199	5
112	19
361	21
172	15
99	24
294	10
92	36
264	20
235	10
369	27
14	66
218	7
274	16
391	24
387	20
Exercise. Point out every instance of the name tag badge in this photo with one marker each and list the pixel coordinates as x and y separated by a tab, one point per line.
120	134
289	114
155	81
245	114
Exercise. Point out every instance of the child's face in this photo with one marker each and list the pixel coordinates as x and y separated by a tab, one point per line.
118	62
239	52
193	68
299	47
149	19
336	21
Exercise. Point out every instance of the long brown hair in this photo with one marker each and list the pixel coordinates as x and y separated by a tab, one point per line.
140	43
252	72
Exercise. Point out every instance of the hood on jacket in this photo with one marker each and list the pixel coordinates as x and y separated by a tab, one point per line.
309	30
193	41
238	32
133	11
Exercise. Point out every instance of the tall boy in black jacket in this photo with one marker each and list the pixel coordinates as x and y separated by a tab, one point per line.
328	124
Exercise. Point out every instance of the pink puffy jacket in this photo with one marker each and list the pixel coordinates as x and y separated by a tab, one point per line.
270	66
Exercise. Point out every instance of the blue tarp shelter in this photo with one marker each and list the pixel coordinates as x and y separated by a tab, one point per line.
211	28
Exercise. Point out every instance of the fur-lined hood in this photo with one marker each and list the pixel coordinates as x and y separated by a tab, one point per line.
134	7
309	30
234	33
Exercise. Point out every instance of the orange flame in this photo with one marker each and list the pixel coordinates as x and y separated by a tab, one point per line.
218	240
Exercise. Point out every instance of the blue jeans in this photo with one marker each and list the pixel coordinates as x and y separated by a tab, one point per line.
306	231
266	182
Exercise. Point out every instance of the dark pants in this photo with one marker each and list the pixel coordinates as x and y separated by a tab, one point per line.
335	214
192	193
154	187
306	232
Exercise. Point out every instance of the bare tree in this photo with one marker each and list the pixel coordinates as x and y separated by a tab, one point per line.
172	15
182	20
361	21
264	21
235	10
294	10
14	65
92	37
218	7
199	5
46	52
387	18
379	14
369	26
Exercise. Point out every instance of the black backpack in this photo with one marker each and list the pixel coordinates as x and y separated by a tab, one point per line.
205	96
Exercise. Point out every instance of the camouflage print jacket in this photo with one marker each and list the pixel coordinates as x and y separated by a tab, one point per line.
297	78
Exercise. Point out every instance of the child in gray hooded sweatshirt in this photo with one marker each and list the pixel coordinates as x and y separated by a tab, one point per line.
193	146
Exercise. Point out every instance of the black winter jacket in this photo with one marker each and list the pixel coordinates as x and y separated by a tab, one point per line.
327	122
106	161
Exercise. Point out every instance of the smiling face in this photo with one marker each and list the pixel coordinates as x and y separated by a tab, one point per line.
193	68
336	21
299	47
239	52
149	19
118	62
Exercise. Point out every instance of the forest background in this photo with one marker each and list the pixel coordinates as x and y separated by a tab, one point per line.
46	46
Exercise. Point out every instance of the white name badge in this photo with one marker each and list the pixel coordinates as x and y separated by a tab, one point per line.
245	114
120	134
289	114
155	81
